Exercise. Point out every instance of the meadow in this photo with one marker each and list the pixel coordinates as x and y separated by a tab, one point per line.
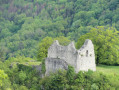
112	72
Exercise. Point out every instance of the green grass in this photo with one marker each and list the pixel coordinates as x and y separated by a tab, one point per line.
31	63
108	70
112	72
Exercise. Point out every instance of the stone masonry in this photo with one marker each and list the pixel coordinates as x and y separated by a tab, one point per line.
59	57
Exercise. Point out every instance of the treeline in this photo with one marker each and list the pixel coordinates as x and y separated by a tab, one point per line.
23	23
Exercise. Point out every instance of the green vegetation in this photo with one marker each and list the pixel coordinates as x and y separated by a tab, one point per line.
23	23
22	74
29	27
108	69
106	44
82	80
112	72
45	44
3	78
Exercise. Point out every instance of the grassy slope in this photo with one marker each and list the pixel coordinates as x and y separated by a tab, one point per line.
110	71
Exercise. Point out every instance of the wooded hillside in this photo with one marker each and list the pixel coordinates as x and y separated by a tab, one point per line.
24	23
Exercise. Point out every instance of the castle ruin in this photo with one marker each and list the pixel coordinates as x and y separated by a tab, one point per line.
59	57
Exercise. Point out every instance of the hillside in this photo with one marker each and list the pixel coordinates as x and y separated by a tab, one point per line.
29	27
24	23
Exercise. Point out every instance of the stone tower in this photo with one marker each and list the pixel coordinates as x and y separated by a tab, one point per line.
59	57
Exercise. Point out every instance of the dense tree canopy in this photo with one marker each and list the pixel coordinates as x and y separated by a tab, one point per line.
106	44
23	23
2	77
4	81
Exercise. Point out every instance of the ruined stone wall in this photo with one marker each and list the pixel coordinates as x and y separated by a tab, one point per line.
86	58
54	64
67	53
59	57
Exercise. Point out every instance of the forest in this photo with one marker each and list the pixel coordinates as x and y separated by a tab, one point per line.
29	27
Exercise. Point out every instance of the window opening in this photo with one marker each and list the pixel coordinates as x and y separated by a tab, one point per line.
86	53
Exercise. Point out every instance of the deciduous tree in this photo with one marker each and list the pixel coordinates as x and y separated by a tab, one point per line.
106	43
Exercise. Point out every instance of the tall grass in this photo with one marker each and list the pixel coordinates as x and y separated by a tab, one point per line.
112	72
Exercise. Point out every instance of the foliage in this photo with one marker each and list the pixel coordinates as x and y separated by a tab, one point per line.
82	80
70	74
62	40
43	67
55	81
45	44
2	77
21	76
94	87
43	48
105	42
3	52
23	23
4	81
24	77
